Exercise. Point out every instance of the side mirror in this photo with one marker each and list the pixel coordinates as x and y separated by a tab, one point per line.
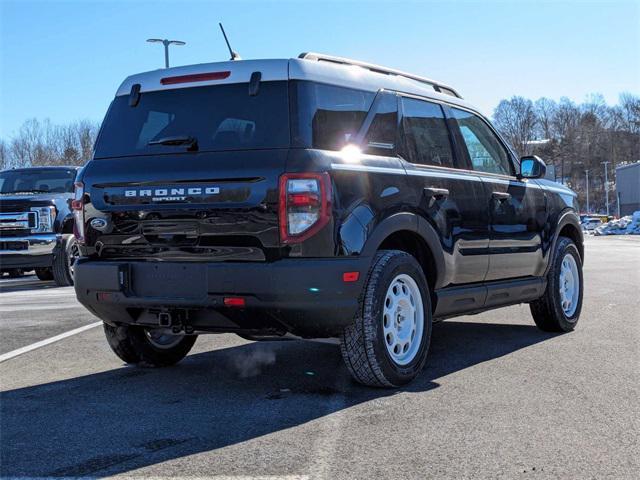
532	167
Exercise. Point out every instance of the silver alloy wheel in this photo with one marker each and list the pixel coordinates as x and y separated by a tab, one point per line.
569	285
403	319
159	338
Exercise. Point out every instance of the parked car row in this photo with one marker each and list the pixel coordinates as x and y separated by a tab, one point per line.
590	223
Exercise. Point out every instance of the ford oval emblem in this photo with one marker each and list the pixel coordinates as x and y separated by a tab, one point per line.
98	223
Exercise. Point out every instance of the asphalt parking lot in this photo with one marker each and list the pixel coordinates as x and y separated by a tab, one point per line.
498	398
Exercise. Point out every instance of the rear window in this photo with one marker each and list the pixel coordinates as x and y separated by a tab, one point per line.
219	118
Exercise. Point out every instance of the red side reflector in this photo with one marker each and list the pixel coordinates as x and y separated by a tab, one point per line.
195	77
234	302
103	296
350	276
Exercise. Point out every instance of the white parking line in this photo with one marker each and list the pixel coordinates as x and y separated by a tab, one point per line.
9	355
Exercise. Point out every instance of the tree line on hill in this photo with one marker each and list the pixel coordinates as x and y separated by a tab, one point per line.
40	142
575	138
571	137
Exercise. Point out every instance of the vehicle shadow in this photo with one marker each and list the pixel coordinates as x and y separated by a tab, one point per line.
20	284
120	420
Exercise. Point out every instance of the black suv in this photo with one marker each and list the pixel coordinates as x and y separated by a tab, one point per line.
36	222
314	197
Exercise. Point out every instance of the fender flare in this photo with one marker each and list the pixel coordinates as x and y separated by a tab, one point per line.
567	217
406	221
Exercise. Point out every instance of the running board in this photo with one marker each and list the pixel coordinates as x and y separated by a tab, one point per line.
475	298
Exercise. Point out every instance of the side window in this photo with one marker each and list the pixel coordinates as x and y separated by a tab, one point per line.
485	151
327	116
425	135
381	135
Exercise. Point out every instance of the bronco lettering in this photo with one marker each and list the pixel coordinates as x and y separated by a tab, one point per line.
163	192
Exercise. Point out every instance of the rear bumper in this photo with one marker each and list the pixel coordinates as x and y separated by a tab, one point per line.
307	297
30	251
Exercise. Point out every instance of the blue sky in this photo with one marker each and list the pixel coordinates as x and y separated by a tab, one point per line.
64	60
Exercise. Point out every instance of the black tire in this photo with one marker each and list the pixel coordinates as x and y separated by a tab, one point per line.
133	346
363	344
547	311
63	259
15	272
44	274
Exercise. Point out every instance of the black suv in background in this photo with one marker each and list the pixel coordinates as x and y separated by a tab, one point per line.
318	197
36	222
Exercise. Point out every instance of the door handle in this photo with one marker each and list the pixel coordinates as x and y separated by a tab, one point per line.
501	196
437	193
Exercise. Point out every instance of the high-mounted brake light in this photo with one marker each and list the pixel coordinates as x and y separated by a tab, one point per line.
195	77
305	205
77	205
237	302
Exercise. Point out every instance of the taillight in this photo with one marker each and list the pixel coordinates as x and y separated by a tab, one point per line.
305	205
77	205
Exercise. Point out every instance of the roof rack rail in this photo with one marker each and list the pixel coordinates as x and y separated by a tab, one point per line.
437	86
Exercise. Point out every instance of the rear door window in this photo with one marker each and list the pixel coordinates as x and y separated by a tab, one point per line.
425	137
486	153
327	117
382	132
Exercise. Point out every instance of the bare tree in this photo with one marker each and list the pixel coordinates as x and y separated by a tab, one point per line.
628	113
43	143
545	110
4	155
516	119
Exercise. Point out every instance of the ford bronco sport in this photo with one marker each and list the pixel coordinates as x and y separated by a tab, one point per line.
36	222
315	197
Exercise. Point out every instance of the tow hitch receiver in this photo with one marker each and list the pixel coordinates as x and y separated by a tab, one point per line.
164	319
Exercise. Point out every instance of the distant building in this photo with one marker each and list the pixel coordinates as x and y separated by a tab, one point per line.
628	187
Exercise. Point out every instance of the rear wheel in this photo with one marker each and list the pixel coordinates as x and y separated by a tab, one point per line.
150	347
387	344
558	310
64	261
44	274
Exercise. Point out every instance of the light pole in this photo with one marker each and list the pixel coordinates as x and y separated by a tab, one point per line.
606	185
166	44
587	173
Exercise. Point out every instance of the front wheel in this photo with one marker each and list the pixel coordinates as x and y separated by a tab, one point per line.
148	347
558	310
388	342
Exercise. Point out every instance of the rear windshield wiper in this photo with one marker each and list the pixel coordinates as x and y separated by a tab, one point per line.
176	140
